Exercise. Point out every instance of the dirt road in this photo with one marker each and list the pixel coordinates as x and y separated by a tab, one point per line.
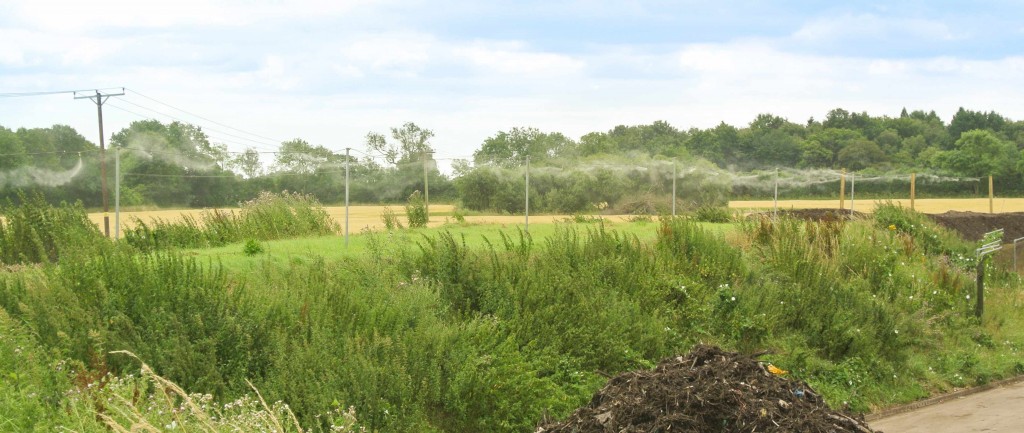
1000	410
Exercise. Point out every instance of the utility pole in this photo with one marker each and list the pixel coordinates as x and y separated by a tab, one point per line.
347	149
99	99
117	193
527	193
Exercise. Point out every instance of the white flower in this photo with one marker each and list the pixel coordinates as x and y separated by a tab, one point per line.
733	298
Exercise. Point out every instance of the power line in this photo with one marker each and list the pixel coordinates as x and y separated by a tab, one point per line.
204	118
211	137
44	93
253	141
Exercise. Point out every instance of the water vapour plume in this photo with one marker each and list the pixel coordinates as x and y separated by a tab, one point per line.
34	176
154	146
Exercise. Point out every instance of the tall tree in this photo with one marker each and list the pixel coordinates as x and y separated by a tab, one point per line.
509	149
409	143
980	153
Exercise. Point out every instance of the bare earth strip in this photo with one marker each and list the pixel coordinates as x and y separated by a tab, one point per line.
924	205
995	411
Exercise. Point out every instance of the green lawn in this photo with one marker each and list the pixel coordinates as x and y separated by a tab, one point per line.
332	248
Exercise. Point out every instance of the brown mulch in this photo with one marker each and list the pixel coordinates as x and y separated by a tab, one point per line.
973	225
707	390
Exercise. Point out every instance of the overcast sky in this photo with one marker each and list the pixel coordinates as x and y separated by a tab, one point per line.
330	71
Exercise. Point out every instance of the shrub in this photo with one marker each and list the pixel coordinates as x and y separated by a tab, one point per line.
391	221
252	247
36	232
712	214
416	211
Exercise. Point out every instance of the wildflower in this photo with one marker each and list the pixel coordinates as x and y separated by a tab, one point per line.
892	227
733	298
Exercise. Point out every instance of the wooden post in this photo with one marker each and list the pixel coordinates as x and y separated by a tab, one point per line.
913	180
842	190
990	195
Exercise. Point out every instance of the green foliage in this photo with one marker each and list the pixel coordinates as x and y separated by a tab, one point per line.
252	247
447	336
416	211
713	214
36	232
267	217
391	221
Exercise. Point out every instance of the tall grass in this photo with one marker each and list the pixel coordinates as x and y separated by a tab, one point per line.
446	337
268	216
33	231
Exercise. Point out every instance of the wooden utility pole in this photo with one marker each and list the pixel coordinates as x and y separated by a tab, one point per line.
990	195
99	98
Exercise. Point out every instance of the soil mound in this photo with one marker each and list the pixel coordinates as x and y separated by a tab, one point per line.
972	225
707	390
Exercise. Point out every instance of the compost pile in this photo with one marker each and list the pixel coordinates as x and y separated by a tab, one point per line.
708	390
972	226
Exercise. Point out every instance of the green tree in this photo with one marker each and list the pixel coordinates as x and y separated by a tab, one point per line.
298	156
980	153
409	143
247	163
509	149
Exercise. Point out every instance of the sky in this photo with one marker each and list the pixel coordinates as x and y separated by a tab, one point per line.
329	71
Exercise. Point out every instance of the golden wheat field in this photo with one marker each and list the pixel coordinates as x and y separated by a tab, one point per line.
360	217
923	205
363	216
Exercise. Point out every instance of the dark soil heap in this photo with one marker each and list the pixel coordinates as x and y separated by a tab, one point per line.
708	390
972	226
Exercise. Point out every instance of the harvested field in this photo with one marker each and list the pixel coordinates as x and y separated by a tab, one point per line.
923	205
360	217
708	390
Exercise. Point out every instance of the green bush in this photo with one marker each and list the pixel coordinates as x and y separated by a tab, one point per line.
36	232
252	247
416	211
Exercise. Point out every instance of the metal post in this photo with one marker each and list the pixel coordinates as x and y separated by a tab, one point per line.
775	209
1015	253
426	189
117	193
842	190
979	306
527	193
347	157
913	184
673	188
853	186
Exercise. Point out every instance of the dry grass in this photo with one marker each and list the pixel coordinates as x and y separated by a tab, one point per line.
924	205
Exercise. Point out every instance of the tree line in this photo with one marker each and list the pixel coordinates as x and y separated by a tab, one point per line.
628	167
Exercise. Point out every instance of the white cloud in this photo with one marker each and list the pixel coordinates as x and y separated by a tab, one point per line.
77	16
512	58
869	26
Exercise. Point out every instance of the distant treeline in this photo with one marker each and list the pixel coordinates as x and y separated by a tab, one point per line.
628	167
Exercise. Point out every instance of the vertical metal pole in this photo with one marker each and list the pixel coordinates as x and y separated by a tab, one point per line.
117	193
775	209
842	190
673	188
979	306
853	186
426	188
527	193
346	194
913	184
